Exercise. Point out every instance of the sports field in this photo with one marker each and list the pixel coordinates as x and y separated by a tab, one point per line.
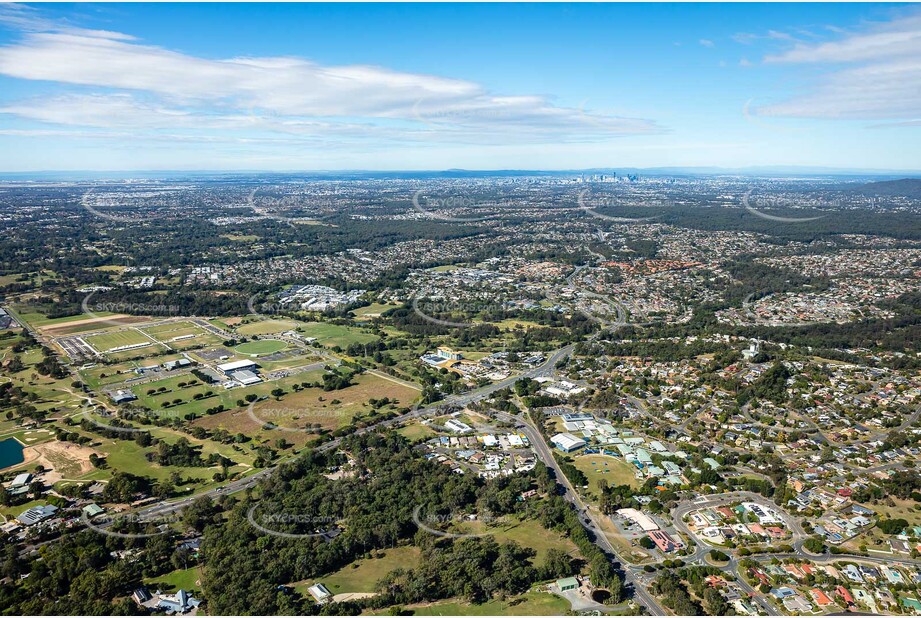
373	310
266	327
331	335
182	335
264	346
116	339
614	470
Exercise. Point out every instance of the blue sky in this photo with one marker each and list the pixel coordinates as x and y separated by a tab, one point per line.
477	86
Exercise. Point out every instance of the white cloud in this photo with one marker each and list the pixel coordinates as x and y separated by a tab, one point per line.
706	43
151	87
747	38
875	74
896	39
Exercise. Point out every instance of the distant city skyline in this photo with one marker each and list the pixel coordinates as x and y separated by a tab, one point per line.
476	86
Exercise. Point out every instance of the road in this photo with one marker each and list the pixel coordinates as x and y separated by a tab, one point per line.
642	596
455	400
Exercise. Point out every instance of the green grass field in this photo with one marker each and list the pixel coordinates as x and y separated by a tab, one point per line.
107	341
527	533
127	456
416	431
102	375
171	329
219	394
614	470
266	327
265	346
372	310
363	575
183	579
331	335
528	604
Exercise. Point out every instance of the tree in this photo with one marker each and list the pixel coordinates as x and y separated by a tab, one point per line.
815	545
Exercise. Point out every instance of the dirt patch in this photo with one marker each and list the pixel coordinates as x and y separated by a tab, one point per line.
350	596
77	326
238	421
61	460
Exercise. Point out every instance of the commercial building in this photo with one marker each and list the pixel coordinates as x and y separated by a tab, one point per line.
229	368
36	514
449	354
21	480
663	540
457	427
567	442
245	377
644	521
122	396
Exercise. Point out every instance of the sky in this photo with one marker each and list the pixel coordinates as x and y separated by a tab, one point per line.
288	87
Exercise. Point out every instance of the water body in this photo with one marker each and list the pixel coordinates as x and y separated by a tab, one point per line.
10	453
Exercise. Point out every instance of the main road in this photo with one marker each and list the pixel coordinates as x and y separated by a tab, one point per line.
642	596
537	442
464	399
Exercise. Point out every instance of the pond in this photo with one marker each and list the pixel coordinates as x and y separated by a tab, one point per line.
10	453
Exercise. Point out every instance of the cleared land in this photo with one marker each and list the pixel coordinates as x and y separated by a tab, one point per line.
363	575
373	310
307	408
527	533
416	431
332	409
528	604
183	579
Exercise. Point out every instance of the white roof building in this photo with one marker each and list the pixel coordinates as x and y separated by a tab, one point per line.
320	592
567	442
458	426
235	365
245	377
641	519
21	480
